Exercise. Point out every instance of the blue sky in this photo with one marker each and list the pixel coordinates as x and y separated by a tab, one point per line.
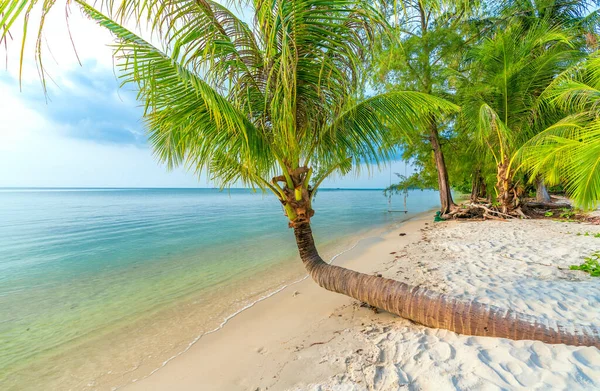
89	132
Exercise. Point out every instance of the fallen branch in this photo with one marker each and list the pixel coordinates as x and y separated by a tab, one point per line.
547	205
324	342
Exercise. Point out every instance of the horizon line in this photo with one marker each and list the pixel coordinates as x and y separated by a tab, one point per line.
166	188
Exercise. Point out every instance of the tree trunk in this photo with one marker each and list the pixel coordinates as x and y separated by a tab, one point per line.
434	309
443	183
506	191
478	188
541	193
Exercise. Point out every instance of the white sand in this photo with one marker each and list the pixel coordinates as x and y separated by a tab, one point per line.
510	264
318	340
521	265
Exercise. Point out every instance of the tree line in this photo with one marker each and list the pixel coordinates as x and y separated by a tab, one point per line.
526	76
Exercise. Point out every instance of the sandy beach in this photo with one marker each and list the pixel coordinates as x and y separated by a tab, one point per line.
307	338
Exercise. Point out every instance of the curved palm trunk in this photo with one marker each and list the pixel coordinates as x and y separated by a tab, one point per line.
433	309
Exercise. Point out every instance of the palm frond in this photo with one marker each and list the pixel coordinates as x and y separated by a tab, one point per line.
369	131
259	103
568	152
188	121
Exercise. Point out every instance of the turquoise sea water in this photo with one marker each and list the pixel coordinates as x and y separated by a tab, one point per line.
80	267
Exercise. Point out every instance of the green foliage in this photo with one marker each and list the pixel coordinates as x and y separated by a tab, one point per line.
566	213
549	213
568	152
596	235
422	54
573	14
414	181
556	189
502	88
590	266
253	104
513	67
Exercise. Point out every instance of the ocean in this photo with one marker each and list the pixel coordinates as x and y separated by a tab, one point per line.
100	286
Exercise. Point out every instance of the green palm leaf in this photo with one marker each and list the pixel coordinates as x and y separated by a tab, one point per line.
568	152
188	121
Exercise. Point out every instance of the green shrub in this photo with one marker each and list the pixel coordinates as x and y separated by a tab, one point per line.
591	265
567	213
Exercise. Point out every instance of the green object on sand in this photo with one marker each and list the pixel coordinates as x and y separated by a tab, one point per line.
437	217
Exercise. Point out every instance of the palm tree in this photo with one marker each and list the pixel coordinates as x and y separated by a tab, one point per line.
568	152
574	15
570	13
500	98
278	107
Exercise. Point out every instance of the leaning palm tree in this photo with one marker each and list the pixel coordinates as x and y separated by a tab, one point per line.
278	107
568	152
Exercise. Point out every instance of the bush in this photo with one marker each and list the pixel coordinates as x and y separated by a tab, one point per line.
591	265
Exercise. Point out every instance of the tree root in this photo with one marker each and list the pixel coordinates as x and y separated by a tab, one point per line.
491	217
477	211
520	213
490	212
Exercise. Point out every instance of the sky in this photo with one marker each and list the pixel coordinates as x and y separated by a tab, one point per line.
88	132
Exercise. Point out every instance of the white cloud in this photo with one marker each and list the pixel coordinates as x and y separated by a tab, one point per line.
52	162
34	153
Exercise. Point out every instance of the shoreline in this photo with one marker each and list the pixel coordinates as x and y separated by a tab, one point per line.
352	255
365	236
305	337
112	358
